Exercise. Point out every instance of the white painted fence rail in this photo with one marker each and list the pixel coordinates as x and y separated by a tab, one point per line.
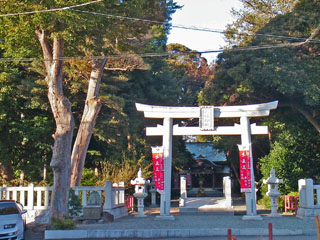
37	199
309	198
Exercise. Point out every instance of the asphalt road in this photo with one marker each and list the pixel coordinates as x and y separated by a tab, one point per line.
220	238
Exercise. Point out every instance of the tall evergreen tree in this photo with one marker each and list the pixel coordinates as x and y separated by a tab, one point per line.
69	33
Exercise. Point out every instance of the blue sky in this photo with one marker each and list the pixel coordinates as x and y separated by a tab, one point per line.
213	14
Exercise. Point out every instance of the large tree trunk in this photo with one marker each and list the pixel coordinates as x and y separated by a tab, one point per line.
61	109
91	110
6	171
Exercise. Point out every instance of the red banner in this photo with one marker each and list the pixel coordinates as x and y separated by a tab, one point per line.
245	168
158	168
188	179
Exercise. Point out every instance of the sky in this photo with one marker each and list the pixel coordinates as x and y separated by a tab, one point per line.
212	14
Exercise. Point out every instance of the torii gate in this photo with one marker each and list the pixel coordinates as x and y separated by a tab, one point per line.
206	115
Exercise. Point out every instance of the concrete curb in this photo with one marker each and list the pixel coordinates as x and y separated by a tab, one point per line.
164	233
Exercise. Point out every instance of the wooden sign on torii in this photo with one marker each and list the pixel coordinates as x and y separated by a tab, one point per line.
206	115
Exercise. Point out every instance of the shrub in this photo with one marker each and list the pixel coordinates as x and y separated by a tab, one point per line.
75	206
62	223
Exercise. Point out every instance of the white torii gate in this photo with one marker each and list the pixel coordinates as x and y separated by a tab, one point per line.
206	115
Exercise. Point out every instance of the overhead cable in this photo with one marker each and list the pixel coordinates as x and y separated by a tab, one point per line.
49	10
147	20
190	27
150	55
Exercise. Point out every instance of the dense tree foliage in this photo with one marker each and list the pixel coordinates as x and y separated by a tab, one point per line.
253	16
286	68
26	125
67	32
288	73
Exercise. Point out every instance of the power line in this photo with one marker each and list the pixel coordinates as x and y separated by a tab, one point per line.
189	27
149	21
49	10
150	55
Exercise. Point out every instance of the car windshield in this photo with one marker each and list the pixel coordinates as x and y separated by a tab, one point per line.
8	208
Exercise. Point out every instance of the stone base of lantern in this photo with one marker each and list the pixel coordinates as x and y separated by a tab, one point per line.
140	214
274	215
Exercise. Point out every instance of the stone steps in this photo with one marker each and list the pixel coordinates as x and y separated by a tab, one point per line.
206	206
206	211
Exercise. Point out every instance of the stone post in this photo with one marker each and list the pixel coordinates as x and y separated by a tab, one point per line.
306	201
250	196
167	151
122	193
153	192
31	196
108	202
183	190
302	192
309	193
227	191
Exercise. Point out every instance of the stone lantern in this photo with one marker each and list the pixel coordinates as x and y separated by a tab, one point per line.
140	192
273	192
153	190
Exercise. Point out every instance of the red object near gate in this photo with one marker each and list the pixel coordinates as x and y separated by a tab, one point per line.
291	203
270	231
130	202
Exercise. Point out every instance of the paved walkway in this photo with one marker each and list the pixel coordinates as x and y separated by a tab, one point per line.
205	203
203	225
214	205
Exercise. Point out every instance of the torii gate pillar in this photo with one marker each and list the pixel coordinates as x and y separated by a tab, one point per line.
250	196
165	198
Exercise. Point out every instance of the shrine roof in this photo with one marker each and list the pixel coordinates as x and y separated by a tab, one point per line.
203	150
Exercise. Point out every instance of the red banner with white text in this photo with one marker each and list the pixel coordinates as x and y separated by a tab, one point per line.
158	168
245	168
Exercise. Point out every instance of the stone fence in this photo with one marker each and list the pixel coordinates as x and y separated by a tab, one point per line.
36	200
309	198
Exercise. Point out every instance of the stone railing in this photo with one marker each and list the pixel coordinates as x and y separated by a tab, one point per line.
309	198
36	200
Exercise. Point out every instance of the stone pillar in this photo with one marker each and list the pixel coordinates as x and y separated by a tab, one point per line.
122	196
302	192
153	192
227	191
30	196
250	196
108	202
183	190
306	201
309	193
167	152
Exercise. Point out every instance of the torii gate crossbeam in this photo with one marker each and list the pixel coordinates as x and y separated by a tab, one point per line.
206	114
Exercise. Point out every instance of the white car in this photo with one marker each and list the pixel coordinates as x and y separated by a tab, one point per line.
11	222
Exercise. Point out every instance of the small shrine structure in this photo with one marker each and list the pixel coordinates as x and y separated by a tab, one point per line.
206	116
207	170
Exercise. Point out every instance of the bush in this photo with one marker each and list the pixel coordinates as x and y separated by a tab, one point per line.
62	223
88	178
266	201
74	204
